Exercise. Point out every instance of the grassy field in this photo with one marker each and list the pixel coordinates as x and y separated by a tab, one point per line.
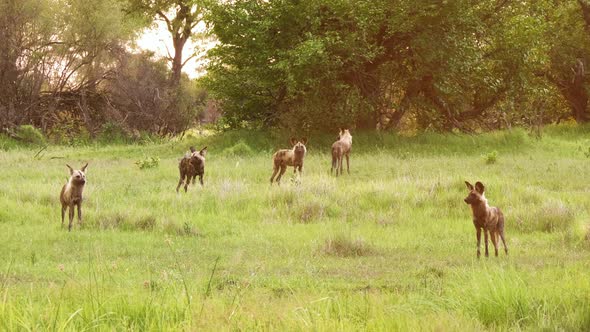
389	247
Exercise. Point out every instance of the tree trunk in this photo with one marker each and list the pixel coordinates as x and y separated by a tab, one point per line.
9	35
585	12
179	42
576	95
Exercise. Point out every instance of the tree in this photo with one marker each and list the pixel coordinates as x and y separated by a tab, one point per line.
138	91
26	31
568	38
58	52
181	18
327	63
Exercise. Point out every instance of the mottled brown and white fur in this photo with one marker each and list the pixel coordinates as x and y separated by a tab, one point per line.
71	195
289	157
190	166
485	217
341	148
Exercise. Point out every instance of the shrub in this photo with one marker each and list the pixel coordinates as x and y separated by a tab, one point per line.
188	229
491	158
7	143
30	134
68	129
139	93
148	162
112	132
239	149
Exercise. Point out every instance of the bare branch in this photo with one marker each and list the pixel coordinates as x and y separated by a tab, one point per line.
188	59
169	56
166	19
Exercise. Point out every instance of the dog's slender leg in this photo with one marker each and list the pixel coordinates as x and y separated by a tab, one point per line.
334	166
63	214
80	214
504	241
478	241
179	183
283	169
186	180
485	235
494	236
71	215
348	163
275	170
299	175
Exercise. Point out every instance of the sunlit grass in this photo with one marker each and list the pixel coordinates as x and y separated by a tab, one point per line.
390	247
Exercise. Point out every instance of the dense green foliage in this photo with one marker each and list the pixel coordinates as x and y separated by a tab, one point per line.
390	247
465	65
439	64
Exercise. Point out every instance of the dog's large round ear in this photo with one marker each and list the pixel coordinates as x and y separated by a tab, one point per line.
480	187
304	140
469	185
293	140
192	148
71	169
203	151
83	169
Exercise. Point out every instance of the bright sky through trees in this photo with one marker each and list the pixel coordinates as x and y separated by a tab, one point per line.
158	39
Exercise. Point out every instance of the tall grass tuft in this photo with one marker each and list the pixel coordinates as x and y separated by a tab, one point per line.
499	296
551	216
345	246
311	212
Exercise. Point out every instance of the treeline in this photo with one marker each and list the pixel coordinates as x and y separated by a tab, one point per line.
445	65
68	68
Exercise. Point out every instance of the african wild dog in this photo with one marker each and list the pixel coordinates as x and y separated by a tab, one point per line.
71	195
285	157
191	165
341	148
485	217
